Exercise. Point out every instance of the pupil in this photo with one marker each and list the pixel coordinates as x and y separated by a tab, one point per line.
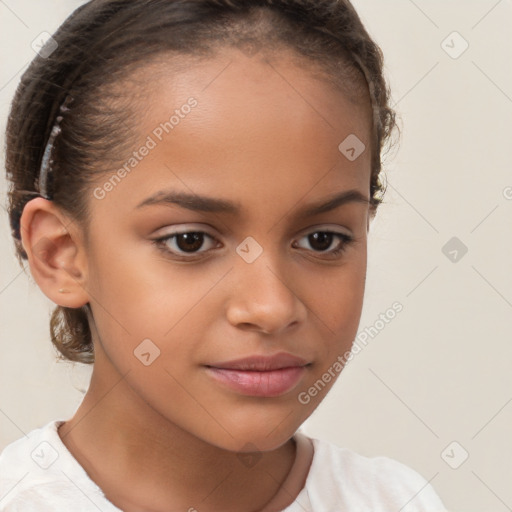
193	241
325	240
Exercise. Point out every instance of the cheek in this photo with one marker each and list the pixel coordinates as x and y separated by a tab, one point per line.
337	306
141	295
337	313
143	291
338	298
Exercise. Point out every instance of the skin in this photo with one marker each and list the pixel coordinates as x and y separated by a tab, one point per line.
166	436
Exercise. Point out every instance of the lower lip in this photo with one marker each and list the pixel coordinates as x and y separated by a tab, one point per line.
266	384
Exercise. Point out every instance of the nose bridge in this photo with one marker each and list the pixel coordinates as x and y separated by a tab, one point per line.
263	295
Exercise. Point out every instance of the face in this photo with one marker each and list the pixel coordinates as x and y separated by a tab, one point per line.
206	249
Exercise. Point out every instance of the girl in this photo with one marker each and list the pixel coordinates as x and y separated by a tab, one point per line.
192	183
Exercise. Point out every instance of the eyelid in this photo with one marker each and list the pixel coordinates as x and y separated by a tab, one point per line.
184	228
330	228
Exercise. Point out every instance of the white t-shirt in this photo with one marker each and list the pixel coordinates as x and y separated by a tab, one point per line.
39	474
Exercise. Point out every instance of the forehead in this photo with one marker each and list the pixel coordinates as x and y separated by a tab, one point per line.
241	123
235	81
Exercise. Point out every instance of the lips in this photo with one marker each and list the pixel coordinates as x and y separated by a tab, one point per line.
261	376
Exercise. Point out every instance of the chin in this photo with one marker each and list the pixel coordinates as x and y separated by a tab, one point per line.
253	436
253	443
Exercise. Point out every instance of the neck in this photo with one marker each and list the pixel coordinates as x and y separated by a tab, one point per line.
119	439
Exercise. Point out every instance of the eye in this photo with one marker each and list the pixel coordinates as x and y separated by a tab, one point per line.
321	241
185	242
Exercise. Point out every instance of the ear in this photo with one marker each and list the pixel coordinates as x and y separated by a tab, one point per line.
56	254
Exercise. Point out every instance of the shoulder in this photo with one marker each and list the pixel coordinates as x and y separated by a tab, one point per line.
342	478
38	473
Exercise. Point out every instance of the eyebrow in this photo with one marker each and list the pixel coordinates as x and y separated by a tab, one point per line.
213	205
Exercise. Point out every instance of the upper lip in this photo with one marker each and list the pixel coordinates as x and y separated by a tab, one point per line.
262	363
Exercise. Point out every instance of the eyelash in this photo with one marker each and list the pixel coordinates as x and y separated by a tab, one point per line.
160	243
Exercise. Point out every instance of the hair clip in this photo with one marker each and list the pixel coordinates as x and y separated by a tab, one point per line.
47	161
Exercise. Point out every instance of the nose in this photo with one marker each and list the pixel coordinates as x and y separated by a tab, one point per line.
262	298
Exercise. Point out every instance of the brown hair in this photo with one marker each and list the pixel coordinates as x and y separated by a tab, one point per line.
102	41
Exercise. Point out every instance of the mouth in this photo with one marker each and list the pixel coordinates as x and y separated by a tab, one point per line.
260	376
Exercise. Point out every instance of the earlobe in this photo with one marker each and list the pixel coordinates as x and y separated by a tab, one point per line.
55	254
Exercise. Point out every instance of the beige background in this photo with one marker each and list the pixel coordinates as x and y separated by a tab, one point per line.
439	372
